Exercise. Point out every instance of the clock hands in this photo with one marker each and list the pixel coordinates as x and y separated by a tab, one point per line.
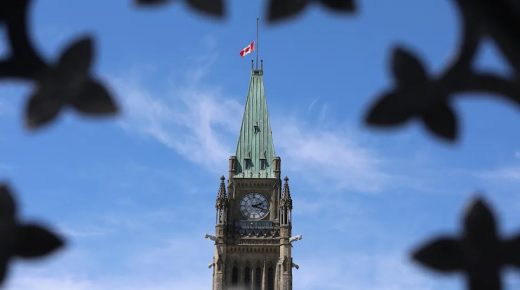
258	206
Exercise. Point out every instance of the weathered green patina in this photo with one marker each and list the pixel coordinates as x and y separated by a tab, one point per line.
255	149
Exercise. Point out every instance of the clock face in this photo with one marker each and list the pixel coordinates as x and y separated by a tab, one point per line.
254	206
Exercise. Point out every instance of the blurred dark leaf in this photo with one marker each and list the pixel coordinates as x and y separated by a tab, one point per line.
94	99
485	281
3	269
479	252
150	2
7	205
41	109
280	9
21	240
414	95
511	251
78	56
388	111
479	223
283	9
340	5
7	224
69	83
441	121
211	7
488	282
443	254
408	69
34	241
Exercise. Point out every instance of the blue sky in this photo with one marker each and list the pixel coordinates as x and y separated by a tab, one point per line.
135	194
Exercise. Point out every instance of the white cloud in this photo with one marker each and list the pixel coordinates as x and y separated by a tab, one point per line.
509	173
196	122
329	157
51	283
89	231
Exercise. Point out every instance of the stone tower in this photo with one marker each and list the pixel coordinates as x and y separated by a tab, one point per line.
253	218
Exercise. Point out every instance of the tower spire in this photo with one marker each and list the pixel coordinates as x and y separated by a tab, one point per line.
255	155
257	44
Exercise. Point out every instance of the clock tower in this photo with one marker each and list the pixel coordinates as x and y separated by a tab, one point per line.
253	208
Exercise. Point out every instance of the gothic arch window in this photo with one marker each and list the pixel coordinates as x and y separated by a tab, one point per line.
270	278
247	278
234	276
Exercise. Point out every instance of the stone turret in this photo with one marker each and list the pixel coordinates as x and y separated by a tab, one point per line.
221	203
221	206
285	262
285	204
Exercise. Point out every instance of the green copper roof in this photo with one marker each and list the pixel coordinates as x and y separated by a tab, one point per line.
255	149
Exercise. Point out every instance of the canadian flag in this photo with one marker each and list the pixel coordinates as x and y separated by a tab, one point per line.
248	49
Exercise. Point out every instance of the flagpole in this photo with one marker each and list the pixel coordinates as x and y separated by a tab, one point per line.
257	46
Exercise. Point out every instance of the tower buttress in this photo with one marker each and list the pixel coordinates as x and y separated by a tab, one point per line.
221	206
285	261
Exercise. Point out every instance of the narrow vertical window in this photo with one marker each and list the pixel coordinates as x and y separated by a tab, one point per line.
263	164
258	278
249	163
247	278
234	276
270	279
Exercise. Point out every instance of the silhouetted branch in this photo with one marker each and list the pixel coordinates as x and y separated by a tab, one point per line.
210	7
468	45
23	62
498	19
68	82
285	9
478	252
424	96
18	240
